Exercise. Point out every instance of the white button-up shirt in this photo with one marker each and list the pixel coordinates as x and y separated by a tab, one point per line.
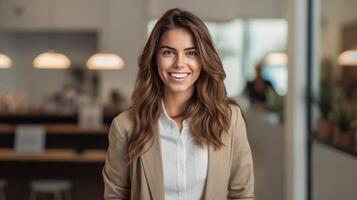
184	163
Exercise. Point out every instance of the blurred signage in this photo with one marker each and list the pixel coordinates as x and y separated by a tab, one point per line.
90	116
30	138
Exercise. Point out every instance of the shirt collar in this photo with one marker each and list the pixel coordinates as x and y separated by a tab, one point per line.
164	117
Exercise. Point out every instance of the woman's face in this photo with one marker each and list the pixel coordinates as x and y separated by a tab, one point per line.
178	62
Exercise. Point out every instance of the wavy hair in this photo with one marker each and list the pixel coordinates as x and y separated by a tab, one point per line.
208	108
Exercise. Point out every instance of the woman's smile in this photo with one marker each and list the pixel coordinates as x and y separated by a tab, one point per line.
178	76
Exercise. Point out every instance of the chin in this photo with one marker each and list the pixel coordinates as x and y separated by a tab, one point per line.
179	89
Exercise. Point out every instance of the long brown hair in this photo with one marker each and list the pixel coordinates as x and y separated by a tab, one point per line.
208	108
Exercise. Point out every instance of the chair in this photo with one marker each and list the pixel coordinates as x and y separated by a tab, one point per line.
61	189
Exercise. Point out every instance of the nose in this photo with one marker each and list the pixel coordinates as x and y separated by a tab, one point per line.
180	61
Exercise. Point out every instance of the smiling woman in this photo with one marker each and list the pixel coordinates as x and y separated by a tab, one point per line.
182	138
178	64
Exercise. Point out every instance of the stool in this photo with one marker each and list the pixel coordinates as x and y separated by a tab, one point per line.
55	187
3	184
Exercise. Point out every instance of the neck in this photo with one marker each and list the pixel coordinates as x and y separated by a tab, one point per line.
175	102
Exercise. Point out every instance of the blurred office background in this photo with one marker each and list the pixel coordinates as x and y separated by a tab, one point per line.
291	65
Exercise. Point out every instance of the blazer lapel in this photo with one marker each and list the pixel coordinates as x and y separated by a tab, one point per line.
217	164
152	163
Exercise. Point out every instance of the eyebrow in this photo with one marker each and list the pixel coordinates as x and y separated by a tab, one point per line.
190	48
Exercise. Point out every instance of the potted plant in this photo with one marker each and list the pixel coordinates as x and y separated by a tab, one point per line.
344	116
324	101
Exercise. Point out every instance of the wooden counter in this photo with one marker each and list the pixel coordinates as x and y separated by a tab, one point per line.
38	117
61	158
53	155
59	129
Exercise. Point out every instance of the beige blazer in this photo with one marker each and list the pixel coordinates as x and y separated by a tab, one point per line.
230	169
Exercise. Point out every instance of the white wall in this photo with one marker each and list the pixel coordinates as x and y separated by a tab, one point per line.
214	10
7	75
126	37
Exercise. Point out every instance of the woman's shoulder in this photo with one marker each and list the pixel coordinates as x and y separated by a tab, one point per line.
124	121
236	115
235	110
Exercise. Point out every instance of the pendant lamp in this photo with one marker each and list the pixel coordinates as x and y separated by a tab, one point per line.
101	61
5	61
348	58
105	60
51	59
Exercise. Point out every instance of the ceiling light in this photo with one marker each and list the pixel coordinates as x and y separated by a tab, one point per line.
348	58
51	60
5	61
105	61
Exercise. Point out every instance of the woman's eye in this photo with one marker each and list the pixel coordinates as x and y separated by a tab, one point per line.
167	52
192	53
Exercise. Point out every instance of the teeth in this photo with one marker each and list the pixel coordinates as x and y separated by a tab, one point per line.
178	75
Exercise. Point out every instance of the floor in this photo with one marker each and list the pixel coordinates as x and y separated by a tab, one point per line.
266	140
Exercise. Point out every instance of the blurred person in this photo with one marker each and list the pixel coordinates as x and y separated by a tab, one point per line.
182	138
258	89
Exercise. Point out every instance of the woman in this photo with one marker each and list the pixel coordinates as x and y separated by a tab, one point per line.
182	138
